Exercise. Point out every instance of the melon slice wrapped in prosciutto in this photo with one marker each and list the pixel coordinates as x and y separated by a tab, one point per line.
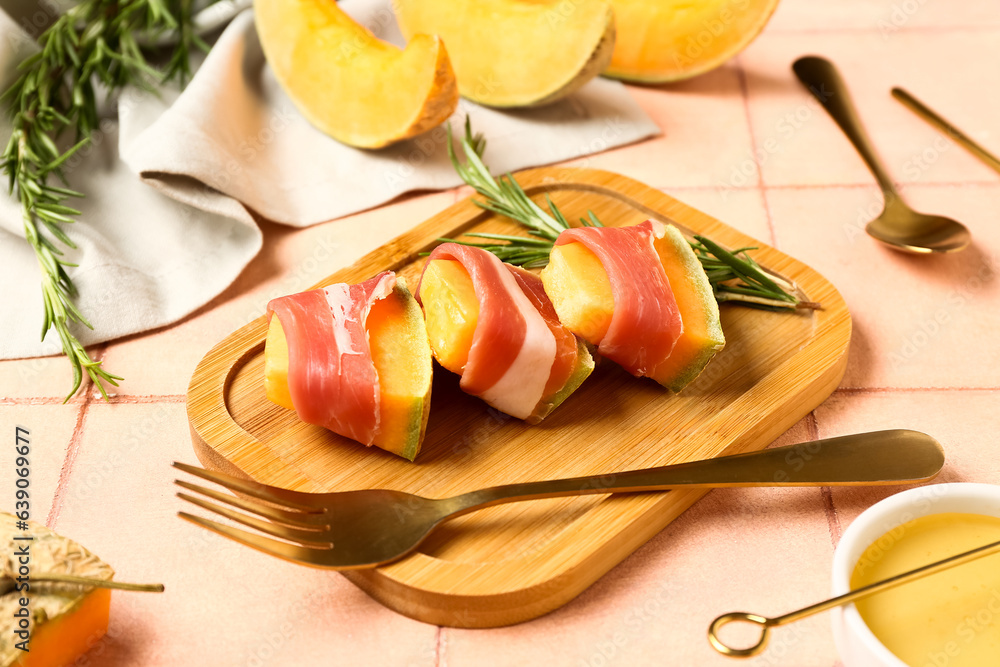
353	359
493	324
640	295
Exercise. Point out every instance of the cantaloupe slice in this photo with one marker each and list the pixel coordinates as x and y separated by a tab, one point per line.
670	40
349	84
580	290
451	311
516	53
702	337
65	620
402	359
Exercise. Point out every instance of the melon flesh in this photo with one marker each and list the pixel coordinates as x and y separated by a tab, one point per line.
669	40
65	638
578	287
515	53
350	85
402	358
702	336
580	290
451	311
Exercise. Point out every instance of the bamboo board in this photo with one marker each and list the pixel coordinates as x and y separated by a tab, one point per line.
511	563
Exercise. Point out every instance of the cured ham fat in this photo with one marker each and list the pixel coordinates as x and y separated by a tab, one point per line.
493	324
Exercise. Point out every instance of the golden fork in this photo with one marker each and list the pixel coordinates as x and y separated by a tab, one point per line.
357	529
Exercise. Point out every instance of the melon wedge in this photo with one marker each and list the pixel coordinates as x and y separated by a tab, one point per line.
402	359
516	53
702	336
349	84
451	311
669	40
580	290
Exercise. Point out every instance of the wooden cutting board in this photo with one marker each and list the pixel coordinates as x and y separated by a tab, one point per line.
515	562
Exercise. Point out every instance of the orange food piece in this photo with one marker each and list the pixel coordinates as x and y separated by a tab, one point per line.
512	53
451	311
580	290
702	336
65	638
402	359
350	85
670	40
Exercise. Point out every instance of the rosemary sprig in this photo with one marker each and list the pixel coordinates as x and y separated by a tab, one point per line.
93	45
734	275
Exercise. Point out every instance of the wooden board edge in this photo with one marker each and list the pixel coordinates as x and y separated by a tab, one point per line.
398	586
397	593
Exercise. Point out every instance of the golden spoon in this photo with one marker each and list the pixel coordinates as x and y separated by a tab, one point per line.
767	623
899	226
953	133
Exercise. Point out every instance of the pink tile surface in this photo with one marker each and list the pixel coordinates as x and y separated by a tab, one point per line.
918	327
705	135
964	422
885	17
38	378
803	146
51	430
101	472
223	604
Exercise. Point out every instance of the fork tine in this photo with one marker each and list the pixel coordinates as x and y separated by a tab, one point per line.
277	530
291	552
272	494
293	519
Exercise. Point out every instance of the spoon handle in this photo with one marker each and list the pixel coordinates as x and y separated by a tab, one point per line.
955	134
823	80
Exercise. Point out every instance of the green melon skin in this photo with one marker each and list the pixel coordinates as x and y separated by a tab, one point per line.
406	435
584	367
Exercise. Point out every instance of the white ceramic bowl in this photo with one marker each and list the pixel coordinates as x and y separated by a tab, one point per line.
856	644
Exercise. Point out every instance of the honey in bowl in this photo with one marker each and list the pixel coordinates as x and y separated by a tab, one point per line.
948	619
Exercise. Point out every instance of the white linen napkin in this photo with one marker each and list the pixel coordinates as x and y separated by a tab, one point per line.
232	143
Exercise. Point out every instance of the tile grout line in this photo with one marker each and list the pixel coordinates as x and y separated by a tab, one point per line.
113	399
73	448
832	520
440	643
741	75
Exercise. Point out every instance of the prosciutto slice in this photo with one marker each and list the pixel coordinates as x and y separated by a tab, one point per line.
513	348
646	322
566	345
331	376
